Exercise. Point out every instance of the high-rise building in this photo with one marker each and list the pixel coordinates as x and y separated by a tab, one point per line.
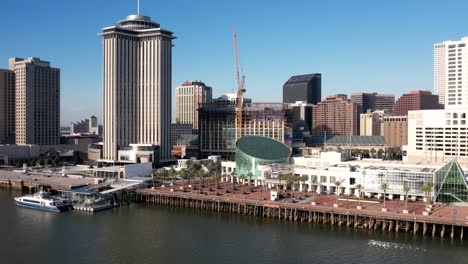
438	135
369	124
7	104
306	88
178	129
336	115
37	101
87	126
451	72
137	76
188	98
416	100
217	130
395	130
373	101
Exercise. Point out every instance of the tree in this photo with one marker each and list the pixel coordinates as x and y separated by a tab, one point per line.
250	175
337	185
406	190
154	173
384	187
372	152
201	175
314	183
172	174
427	190
359	188
216	177
183	173
303	179
398	153
242	177
380	153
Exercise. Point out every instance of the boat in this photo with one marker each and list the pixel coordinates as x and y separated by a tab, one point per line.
43	201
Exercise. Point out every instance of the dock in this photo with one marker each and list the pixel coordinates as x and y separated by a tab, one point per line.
32	182
444	221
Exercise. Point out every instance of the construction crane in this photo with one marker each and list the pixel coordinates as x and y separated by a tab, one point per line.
240	90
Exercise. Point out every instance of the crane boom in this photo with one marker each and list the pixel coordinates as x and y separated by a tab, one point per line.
240	90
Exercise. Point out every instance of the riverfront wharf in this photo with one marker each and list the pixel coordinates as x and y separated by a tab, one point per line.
32	182
445	221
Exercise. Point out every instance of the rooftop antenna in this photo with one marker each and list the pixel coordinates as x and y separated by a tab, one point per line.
138	12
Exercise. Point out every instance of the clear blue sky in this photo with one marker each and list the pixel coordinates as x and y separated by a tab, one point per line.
382	46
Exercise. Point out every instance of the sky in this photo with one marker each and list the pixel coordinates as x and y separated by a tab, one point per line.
368	46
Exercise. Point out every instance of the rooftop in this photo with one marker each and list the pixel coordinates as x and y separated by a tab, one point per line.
263	148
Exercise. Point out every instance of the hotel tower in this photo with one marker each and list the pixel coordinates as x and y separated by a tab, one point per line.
137	74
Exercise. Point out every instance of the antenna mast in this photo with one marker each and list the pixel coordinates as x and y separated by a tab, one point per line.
138	7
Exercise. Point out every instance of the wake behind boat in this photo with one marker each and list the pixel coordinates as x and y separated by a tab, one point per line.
43	201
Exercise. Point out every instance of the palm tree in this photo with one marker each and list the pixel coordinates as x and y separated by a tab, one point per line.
201	175
242	177
216	177
154	173
406	190
427	189
359	188
184	174
337	185
314	183
172	174
384	187
233	181
302	179
250	175
372	152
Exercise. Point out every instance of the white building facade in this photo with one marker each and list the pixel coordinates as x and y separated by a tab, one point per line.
137	76
437	135
451	72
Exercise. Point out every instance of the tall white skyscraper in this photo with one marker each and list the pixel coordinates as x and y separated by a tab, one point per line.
451	72
137	78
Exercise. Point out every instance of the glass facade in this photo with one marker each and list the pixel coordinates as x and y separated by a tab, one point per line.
372	179
450	184
246	164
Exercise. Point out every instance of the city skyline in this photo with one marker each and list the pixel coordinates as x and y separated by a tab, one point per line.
398	36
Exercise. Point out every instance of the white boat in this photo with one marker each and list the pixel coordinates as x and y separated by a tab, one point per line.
44	201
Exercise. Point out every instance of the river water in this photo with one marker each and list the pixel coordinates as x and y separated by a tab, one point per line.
147	234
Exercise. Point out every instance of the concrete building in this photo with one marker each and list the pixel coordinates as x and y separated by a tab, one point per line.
395	130
306	88
7	105
86	126
373	101
188	97
37	101
438	135
450	184
416	100
451	72
137	77
217	130
369	124
337	115
231	98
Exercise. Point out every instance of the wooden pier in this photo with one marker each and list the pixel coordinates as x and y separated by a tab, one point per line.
442	227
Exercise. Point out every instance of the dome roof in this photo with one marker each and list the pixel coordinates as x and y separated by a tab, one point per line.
263	148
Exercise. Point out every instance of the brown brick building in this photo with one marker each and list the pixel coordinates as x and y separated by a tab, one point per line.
395	130
416	100
337	115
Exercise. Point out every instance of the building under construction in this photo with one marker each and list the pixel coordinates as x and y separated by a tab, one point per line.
217	126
